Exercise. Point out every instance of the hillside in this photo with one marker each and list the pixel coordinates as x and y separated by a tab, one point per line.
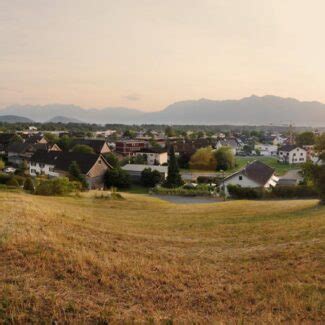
251	110
14	119
87	260
63	119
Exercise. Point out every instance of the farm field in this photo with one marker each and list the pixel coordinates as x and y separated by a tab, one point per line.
87	260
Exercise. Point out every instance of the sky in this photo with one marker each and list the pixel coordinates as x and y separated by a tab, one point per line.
147	54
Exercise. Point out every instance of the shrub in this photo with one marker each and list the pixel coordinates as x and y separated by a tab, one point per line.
117	177
29	185
76	175
4	178
55	186
288	192
12	182
238	192
150	178
203	159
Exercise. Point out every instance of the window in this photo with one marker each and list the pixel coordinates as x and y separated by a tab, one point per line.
294	154
240	178
42	165
32	163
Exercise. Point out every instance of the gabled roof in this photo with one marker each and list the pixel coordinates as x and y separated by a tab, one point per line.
21	148
288	147
35	138
256	171
96	144
18	147
62	160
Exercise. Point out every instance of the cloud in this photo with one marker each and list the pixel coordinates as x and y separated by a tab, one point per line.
131	97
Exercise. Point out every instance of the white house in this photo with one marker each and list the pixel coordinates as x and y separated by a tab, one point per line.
254	175
154	156
267	150
292	154
57	164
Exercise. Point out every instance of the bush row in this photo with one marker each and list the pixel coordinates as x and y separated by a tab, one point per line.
281	192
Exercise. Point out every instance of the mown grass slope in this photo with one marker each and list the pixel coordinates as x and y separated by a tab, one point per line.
141	259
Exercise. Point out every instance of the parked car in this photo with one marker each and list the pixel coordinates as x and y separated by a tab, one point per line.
9	170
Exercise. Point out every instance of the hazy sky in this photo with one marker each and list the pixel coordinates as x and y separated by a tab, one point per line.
149	53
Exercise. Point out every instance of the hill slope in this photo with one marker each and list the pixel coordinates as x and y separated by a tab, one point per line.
88	260
252	110
14	119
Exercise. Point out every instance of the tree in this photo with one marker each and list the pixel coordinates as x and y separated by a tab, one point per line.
111	159
29	185
76	175
150	178
51	137
319	171
169	132
305	139
174	178
16	139
129	134
320	146
65	142
203	159
139	159
117	177
2	164
83	148
225	158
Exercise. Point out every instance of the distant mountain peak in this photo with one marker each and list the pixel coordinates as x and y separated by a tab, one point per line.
253	110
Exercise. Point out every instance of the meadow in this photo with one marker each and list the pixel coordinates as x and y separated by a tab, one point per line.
87	259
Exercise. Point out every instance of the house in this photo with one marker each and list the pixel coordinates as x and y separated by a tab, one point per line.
18	153
231	143
154	156
267	150
36	138
129	147
99	146
135	170
255	175
57	164
292	154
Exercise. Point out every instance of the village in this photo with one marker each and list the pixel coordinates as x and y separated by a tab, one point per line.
209	164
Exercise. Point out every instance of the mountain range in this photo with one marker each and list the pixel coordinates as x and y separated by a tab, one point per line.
253	110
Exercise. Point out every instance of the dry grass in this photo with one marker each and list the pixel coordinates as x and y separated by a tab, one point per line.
83	260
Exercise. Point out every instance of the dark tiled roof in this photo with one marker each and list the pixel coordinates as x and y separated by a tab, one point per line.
18	147
96	144
153	150
34	138
62	160
288	147
5	138
256	171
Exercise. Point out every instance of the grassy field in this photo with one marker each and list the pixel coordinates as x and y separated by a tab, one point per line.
88	260
280	168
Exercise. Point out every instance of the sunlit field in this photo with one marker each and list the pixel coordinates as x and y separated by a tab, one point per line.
84	259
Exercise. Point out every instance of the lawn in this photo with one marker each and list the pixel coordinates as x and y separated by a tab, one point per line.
280	169
88	260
